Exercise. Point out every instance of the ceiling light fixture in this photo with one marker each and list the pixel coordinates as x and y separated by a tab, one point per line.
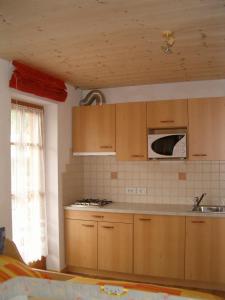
169	41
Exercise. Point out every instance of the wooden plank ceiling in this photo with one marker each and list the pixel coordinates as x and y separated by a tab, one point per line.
108	43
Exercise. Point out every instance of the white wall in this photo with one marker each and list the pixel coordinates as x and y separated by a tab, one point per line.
58	119
167	91
52	188
64	155
5	181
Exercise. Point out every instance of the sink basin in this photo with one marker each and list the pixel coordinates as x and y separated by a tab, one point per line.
209	209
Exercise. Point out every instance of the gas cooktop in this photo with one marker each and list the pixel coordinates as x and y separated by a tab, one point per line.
91	202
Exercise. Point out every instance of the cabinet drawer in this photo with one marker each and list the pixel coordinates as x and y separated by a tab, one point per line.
98	216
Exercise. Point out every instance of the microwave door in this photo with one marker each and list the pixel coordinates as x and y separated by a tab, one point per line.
165	145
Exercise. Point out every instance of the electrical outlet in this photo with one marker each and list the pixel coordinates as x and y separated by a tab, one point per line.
131	190
141	190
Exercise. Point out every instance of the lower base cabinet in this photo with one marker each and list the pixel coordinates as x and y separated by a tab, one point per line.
159	245
99	241
205	249
173	247
81	243
115	247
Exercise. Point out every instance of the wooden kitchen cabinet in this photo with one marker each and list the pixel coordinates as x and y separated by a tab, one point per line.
205	249
173	247
94	128
206	129
115	247
167	114
131	131
99	241
81	243
159	243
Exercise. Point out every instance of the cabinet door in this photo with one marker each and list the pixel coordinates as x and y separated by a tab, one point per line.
159	243
115	247
167	114
205	248
81	243
94	128
206	129
131	131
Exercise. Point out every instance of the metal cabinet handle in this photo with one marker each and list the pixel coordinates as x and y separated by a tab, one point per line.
108	227
142	219
137	155
199	154
167	121
87	225
106	147
98	217
198	222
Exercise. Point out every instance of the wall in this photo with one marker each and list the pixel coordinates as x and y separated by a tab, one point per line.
171	182
73	187
64	156
5	182
178	90
52	184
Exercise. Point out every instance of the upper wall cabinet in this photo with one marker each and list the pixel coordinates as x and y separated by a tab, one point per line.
206	129
94	128
131	131
167	114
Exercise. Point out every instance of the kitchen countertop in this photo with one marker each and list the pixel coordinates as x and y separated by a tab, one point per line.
147	208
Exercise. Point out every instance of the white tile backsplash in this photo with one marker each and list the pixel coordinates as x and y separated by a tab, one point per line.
90	176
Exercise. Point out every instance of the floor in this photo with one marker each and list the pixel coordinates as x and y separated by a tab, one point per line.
216	293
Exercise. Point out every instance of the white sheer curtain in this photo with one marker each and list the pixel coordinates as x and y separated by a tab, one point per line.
28	182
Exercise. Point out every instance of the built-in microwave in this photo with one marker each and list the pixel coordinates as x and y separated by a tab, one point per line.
167	145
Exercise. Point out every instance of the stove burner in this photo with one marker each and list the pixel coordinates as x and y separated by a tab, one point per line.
91	202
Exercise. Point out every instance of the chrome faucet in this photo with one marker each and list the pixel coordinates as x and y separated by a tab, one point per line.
198	200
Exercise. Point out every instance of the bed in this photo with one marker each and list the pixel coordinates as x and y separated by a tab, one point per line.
20	282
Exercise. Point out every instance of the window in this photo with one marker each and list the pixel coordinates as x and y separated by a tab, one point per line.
28	181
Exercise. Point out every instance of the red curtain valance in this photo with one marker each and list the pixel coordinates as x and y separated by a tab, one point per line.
27	79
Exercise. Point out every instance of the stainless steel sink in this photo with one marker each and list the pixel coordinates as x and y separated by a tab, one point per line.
209	209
